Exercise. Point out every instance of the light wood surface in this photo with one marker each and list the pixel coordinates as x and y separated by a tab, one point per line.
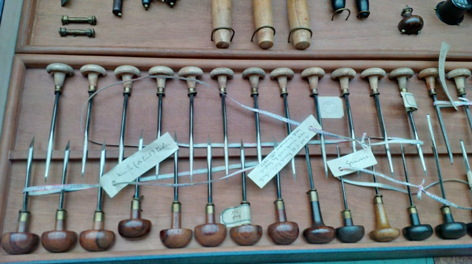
28	114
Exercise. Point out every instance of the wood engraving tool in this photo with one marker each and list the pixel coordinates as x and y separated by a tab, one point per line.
299	20
402	75
282	75
264	23
59	71
22	241
430	75
191	73
417	231
247	234
210	234
98	238
161	85
313	75
222	75
176	236
349	233
222	33
459	76
449	229
282	232
135	227
374	74
254	75
60	239
92	72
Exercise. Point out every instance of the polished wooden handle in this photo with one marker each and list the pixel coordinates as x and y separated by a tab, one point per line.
263	16
221	17
298	18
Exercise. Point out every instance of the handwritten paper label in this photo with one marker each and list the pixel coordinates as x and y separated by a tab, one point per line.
331	107
409	101
138	164
236	216
360	159
442	65
284	152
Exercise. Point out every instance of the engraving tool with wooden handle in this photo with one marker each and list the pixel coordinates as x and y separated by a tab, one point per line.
459	76
263	21
299	20
221	19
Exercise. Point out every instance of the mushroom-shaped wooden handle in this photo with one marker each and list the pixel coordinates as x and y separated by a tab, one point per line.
22	241
210	234
92	72
59	240
254	74
176	237
97	239
135	227
383	232
299	19
313	74
59	71
429	75
263	19
282	75
221	18
222	74
373	74
126	73
246	235
191	72
161	82
459	76
344	75
402	75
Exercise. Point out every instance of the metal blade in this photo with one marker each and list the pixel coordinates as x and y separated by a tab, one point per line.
323	144
64	174
51	135
467	165
384	131
418	146
289	131
467	112
63	2
85	146
443	129
28	174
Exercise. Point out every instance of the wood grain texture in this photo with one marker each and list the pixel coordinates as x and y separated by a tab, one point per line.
263	16
246	235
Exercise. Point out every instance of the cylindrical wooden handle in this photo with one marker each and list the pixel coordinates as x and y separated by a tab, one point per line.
298	18
380	214
221	17
263	17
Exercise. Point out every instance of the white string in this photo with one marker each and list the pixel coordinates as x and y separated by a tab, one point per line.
463	102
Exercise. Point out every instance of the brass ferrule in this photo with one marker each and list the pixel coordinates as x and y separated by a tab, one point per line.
61	214
347	214
313	195
223	90
176	207
344	91
58	88
378	199
314	92
160	90
245	202
210	208
24	216
136	204
446	210
127	90
279	204
254	90
403	90
99	216
374	91
432	91
461	91
283	91
412	210
92	88
191	90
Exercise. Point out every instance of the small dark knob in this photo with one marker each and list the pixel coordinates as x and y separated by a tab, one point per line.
410	24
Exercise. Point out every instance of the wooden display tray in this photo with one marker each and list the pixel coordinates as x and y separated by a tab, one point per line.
184	31
28	115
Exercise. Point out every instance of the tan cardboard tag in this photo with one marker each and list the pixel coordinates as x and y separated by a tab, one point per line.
360	159
409	101
236	216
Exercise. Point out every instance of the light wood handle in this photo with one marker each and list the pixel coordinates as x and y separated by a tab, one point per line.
298	17
221	17
263	17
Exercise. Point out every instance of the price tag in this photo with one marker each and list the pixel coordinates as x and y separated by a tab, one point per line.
236	216
360	159
409	101
138	164
284	152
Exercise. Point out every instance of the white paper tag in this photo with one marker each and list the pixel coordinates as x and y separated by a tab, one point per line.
360	159
409	101
331	107
441	68
236	216
138	164
284	152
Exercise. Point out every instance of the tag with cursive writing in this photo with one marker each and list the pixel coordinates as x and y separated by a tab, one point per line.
409	101
236	216
360	159
138	164
284	152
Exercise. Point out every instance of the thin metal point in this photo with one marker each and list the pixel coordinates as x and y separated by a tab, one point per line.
384	131
436	157
86	136
225	133
467	165
64	174
443	129
51	136
289	131
322	138
28	174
